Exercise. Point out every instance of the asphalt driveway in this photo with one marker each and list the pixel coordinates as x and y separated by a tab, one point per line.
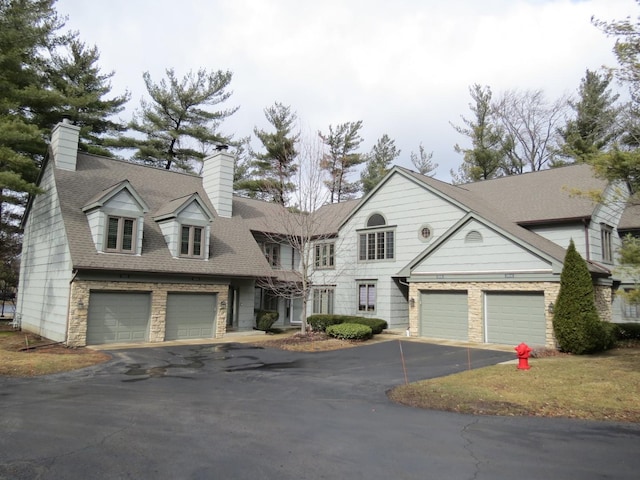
238	411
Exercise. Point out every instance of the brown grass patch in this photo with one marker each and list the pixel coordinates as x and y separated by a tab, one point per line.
592	387
309	342
26	355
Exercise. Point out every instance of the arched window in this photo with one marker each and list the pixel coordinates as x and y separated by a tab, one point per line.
378	241
376	220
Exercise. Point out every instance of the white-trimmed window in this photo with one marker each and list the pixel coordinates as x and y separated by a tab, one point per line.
366	297
272	254
121	235
378	242
607	246
379	245
325	255
323	300
191	241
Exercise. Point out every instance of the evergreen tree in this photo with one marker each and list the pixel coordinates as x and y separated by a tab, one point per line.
486	155
272	170
76	76
595	125
341	159
576	324
176	120
423	162
383	153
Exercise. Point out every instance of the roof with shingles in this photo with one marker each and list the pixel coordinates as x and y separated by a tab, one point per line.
507	202
489	208
547	195
234	250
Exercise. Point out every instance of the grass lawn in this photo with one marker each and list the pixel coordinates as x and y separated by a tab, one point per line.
594	387
16	361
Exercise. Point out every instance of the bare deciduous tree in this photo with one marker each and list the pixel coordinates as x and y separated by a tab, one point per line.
530	124
300	227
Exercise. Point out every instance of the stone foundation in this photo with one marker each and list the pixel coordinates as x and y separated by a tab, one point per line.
80	297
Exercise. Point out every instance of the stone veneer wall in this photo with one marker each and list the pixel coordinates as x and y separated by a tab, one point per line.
604	302
475	292
81	290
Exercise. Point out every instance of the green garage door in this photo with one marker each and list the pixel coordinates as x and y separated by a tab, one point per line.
444	315
117	317
511	318
190	315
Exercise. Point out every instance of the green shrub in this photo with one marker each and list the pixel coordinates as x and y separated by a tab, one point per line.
377	325
576	324
349	331
319	323
265	319
627	331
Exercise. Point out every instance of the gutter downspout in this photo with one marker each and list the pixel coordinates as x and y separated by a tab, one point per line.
585	222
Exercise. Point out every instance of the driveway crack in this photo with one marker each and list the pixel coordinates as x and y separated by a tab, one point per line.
468	446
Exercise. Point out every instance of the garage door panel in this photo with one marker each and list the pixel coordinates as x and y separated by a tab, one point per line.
444	315
190	316
115	317
515	317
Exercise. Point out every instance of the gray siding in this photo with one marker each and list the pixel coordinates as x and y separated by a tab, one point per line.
406	206
562	234
45	270
495	253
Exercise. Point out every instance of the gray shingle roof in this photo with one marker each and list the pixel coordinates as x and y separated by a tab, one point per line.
234	251
541	196
493	201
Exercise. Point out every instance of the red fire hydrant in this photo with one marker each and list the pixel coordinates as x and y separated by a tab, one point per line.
523	351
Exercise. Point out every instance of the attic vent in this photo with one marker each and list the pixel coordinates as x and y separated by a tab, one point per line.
473	236
376	220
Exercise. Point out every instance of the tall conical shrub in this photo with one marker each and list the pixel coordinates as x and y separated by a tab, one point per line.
576	323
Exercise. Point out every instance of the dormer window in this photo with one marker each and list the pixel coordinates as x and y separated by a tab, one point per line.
185	223
116	217
191	241
121	233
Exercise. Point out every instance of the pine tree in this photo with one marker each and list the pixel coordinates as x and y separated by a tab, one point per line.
486	155
178	124
595	126
378	162
423	162
76	76
576	324
341	159
272	170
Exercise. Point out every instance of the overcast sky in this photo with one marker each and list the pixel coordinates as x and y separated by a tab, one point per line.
402	67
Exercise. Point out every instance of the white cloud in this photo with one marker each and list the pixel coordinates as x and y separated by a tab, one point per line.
404	68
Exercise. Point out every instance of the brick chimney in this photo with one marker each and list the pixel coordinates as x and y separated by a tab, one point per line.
217	180
64	145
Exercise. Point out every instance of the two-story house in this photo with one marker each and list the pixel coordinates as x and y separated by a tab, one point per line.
119	252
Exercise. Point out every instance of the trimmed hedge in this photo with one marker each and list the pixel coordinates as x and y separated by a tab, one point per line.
319	323
265	319
627	331
349	331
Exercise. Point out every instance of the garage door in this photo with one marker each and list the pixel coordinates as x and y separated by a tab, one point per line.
190	316
117	317
444	315
511	318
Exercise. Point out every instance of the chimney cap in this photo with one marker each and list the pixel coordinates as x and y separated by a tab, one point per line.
222	147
